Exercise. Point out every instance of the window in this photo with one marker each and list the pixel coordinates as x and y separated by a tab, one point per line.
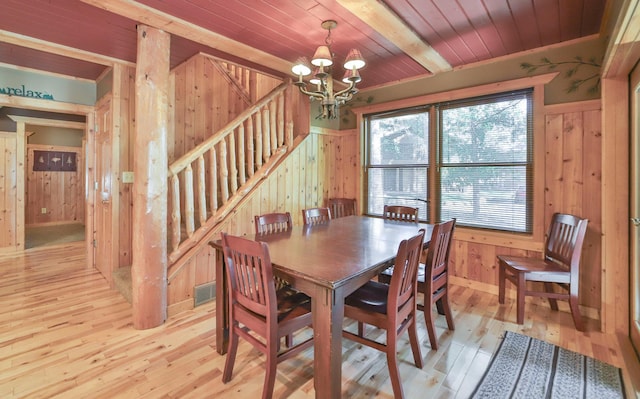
398	160
483	159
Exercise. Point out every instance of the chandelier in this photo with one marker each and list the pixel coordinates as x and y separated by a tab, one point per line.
322	79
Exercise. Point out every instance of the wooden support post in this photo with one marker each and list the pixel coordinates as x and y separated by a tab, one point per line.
149	265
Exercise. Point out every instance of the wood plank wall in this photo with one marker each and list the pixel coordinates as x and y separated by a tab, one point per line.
323	165
125	93
206	97
60	193
8	193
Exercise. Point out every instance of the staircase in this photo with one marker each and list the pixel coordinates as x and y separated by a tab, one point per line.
206	183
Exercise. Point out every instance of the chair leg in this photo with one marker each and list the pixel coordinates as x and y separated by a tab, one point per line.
271	366
360	329
553	303
440	307
431	327
575	312
520	305
288	340
392	362
231	356
501	278
447	311
415	345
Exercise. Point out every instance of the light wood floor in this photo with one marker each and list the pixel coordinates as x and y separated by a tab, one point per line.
64	333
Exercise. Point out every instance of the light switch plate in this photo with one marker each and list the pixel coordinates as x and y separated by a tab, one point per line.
127	177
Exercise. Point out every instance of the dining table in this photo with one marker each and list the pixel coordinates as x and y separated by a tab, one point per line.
327	262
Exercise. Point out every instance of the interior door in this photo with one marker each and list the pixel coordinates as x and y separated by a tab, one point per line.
104	190
634	239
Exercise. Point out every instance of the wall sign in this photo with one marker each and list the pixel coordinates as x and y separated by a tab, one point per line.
22	91
54	161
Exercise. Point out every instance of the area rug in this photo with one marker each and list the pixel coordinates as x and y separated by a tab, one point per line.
525	367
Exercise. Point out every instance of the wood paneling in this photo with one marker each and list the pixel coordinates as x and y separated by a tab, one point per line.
125	92
573	177
8	192
208	95
60	194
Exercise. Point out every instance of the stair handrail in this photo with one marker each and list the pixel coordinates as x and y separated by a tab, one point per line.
269	134
181	163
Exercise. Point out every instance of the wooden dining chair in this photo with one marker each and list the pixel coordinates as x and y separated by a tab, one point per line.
433	279
391	307
341	207
559	267
270	223
313	216
400	213
257	312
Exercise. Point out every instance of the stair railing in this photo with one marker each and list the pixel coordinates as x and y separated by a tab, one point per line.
209	180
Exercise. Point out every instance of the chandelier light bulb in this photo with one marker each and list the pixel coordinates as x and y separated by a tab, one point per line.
351	75
322	57
354	60
301	67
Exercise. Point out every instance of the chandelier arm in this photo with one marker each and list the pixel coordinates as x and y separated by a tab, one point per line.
352	85
310	93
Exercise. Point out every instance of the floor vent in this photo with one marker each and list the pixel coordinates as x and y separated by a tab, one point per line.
204	293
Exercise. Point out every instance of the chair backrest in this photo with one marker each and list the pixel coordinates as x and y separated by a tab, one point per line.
313	216
565	240
400	213
341	207
250	275
437	264
403	286
270	223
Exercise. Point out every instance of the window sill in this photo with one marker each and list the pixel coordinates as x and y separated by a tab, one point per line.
499	239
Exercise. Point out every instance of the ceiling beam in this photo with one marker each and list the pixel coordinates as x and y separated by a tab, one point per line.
623	49
171	24
388	24
58	49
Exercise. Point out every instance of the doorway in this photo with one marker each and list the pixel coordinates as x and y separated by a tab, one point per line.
33	113
54	189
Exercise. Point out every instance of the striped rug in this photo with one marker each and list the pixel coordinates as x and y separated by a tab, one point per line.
525	367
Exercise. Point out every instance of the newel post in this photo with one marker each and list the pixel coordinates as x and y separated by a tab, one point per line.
149	265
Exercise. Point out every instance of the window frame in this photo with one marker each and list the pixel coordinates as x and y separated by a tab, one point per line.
435	162
423	216
527	164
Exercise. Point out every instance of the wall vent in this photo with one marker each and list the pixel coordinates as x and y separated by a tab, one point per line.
204	293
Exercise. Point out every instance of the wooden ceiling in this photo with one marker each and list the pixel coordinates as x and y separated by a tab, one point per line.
400	39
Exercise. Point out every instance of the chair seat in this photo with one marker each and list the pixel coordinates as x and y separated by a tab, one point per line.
372	297
536	269
291	303
560	266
